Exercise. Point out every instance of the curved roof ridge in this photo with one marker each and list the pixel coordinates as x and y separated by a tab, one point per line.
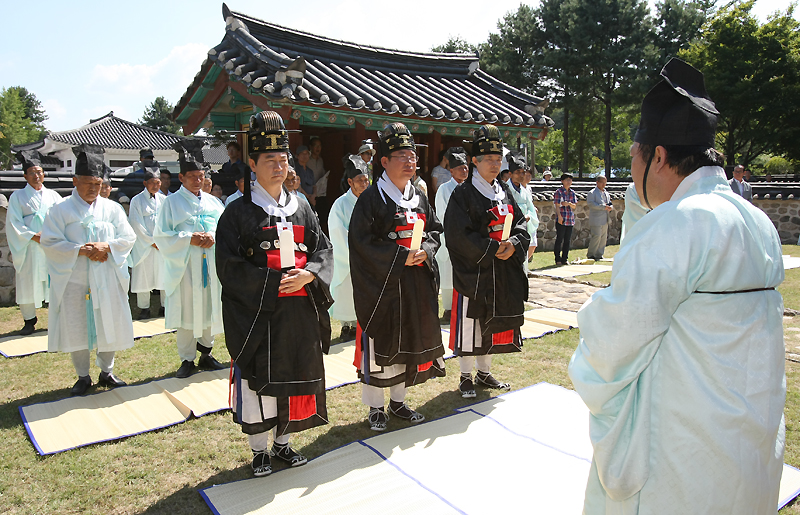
358	46
110	116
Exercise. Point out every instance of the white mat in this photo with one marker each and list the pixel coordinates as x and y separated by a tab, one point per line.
572	270
545	425
790	262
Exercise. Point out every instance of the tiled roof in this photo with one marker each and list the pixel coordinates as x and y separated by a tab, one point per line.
289	64
112	132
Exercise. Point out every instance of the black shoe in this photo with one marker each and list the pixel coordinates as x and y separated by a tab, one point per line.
30	326
466	387
161	311
288	455
185	370
447	314
261	464
401	410
377	419
487	380
345	334
208	362
81	385
144	314
110	380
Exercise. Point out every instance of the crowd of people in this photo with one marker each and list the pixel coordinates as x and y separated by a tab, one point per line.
680	360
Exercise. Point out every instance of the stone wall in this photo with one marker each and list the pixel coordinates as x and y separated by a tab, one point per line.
7	291
785	216
580	233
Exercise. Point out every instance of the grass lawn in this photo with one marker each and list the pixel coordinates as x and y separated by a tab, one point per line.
160	472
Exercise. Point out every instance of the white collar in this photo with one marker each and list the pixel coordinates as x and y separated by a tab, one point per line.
34	191
407	200
700	173
286	205
491	191
82	203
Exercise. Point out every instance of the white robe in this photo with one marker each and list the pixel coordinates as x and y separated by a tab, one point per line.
634	210
525	202
69	225
686	389
343	308
27	210
147	263
190	305
443	194
233	196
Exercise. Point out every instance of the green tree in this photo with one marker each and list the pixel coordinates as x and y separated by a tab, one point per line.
677	25
614	38
16	127
752	72
158	115
777	165
34	110
456	45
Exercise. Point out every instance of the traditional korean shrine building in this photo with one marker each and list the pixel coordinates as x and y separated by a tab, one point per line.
345	92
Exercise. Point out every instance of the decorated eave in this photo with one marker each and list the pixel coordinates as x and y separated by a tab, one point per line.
321	77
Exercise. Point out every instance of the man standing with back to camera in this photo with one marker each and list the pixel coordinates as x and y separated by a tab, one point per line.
681	359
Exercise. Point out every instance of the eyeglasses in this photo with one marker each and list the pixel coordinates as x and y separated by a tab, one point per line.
405	159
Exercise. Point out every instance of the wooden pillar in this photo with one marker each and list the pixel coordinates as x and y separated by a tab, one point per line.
359	134
434	147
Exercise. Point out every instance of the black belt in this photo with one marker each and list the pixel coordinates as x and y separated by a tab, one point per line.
737	291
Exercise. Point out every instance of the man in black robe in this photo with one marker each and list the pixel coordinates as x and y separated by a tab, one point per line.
488	278
395	289
275	316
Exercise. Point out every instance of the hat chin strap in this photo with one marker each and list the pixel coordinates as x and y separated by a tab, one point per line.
644	181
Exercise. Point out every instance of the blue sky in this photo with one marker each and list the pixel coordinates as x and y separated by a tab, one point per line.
83	59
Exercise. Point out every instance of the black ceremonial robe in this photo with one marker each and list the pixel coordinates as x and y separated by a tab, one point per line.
396	305
275	340
496	289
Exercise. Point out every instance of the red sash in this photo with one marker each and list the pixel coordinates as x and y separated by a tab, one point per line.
497	234
406	242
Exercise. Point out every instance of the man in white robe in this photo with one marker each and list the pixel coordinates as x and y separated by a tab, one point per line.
681	359
459	170
357	174
148	265
87	239
518	173
185	235
240	170
27	209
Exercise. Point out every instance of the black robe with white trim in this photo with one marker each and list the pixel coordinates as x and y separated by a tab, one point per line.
397	305
496	289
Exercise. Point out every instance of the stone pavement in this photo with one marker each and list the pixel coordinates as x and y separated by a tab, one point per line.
567	294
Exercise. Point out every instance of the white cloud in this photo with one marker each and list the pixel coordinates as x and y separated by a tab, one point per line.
150	80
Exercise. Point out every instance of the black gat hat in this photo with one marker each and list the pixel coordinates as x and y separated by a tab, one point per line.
89	160
190	154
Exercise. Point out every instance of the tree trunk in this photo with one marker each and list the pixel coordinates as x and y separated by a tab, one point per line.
565	160
581	143
608	136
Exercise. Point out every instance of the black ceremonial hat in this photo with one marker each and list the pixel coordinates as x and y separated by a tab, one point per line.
456	156
29	159
396	136
267	133
485	140
146	153
678	110
89	160
516	161
190	154
354	166
152	172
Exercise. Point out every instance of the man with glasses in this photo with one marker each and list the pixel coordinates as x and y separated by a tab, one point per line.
395	288
185	235
27	209
487	238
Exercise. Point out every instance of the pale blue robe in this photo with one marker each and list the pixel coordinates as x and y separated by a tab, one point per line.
686	390
233	196
27	210
190	305
525	202
634	210
147	263
443	194
343	308
68	226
